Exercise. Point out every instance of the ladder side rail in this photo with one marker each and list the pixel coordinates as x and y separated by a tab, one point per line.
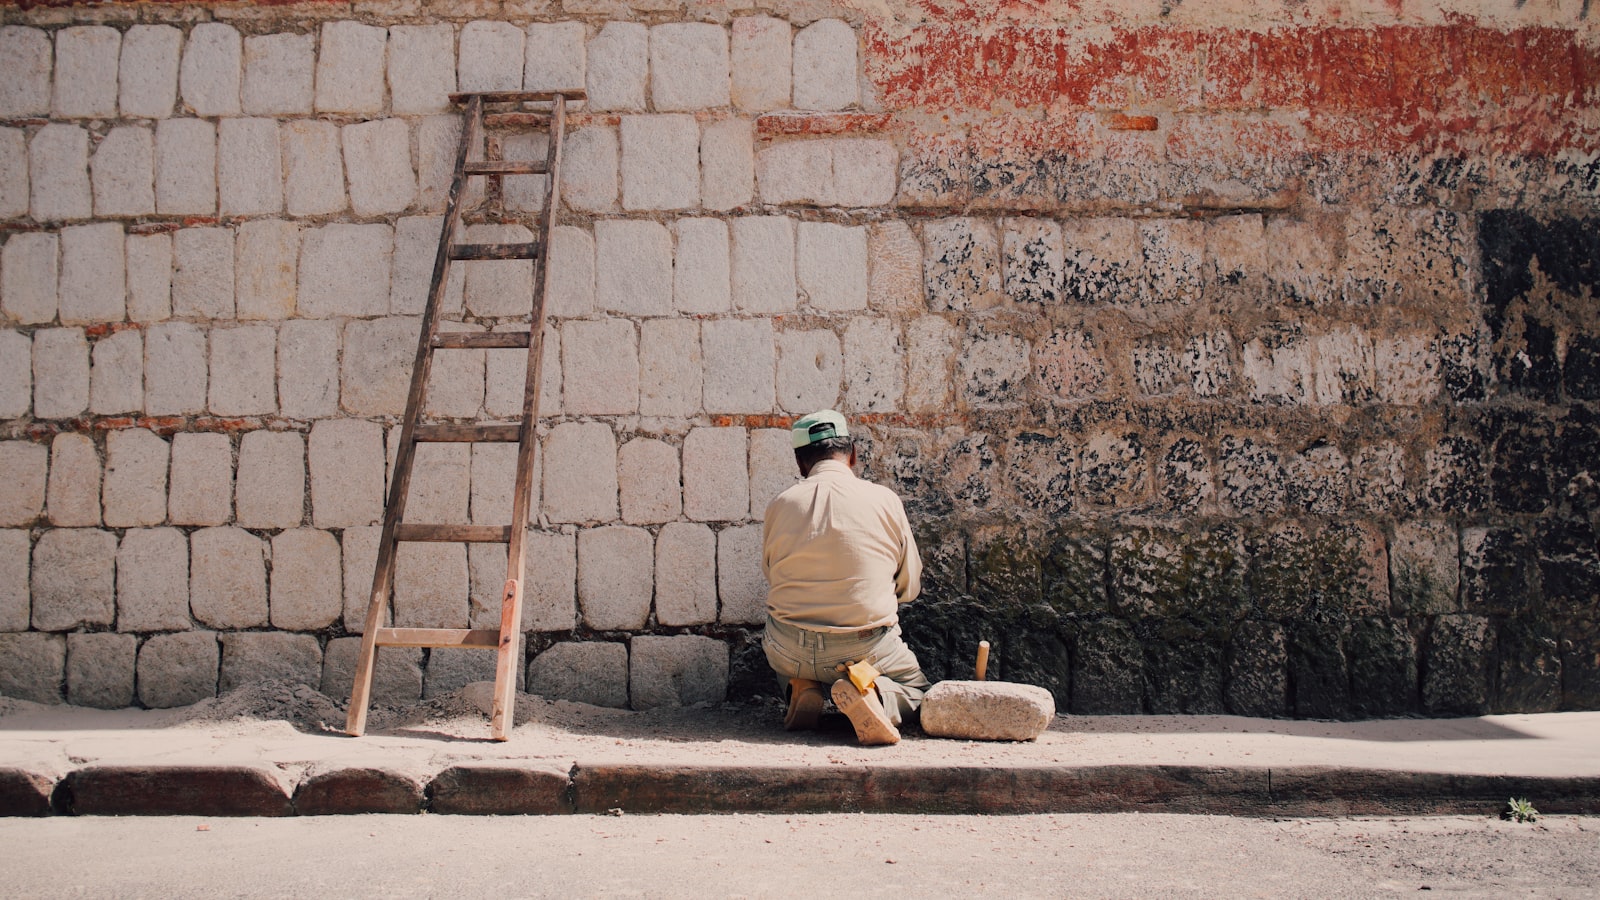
510	657
399	486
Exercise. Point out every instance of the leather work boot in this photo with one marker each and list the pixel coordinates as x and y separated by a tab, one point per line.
805	704
866	714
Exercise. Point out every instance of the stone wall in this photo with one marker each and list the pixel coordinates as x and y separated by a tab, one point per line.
1229	359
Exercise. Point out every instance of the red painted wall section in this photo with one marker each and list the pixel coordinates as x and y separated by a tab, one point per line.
1526	91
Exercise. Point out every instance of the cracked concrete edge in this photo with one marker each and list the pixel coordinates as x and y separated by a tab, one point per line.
532	788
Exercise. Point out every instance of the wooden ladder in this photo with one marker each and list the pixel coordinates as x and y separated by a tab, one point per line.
505	640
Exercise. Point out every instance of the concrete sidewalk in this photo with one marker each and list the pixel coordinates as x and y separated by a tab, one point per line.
567	758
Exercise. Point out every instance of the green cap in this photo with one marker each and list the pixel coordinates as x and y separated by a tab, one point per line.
819	426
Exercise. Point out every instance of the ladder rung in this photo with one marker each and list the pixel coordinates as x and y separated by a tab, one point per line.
494	251
521	96
487	638
475	534
480	340
467	434
506	167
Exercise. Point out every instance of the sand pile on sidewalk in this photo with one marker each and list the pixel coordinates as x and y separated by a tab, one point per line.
301	705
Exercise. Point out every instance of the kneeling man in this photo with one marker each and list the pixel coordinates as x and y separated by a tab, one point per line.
839	559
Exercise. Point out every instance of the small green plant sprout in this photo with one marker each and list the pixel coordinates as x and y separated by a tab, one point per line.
1520	809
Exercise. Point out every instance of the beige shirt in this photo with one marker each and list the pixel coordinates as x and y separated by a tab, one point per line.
838	553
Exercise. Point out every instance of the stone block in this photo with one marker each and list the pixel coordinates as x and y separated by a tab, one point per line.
86	72
350	68
396	672
186	167
438	139
344	270
1455	679
16	374
615	578
227	578
278	70
244	370
600	367
1172	253
1408	369
549	598
307	590
689	66
874	366
60	373
416	240
992	370
25	56
763	264
117	373
851	172
377	365
135	491
74	579
633	267
687	670
359	549
618	66
1107	670
701	277
739	365
831	266
686	575
825	70
149	277
593	672
250	657
174	369
525	193
100	669
58	173
23	467
73	495
555	56
313	168
153	580
14	599
1067	366
347	472
13	172
422	68
572	273
32	666
453	668
1302	259
271	486
987	711
441	485
1033	260
761	62
430	586
178	669
589	181
30	277
148	74
506	374
93	281
201	491
494	478
491	56
715	474
122	172
740	584
456	382
727	164
1258	671
377	159
202	273
1497	574
670	367
1102	259
211	73
500	287
660	162
249	167
961	264
647	480
772	468
266	254
809	370
1423	567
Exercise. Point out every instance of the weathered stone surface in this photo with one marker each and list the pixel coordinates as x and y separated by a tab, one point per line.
201	488
271	484
14	599
740	584
33	666
772	467
60	373
1457	675
30	277
739	365
555	56
763	264
500	789
831	264
116	374
313	168
357	791
689	66
761	61
58	173
615	581
186	166
491	57
211	73
175	374
307	592
660	162
580	473
874	378
825	75
153	581
670	367
178	669
250	657
175	791
249	167
618	66
148	73
422	69
431	586
453	668
677	671
349	76
149	277
589	172
648	481
227	578
24	792
1107	673
715	474
600	367
73	579
986	710
16	373
727	164
26	54
202	274
244	371
810	370
377	365
100	669
122	173
634	267
1258	671
347	472
92	287
593	672
396	676
14	172
23	467
377	159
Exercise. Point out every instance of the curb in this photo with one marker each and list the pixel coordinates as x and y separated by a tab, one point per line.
534	789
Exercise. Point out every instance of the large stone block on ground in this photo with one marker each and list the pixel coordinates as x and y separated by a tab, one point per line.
32	666
987	710
248	657
74	572
251	790
178	669
593	672
100	669
678	671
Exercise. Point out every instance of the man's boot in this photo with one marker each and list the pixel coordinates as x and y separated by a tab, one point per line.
805	704
866	713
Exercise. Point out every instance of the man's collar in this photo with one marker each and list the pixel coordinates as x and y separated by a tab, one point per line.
831	467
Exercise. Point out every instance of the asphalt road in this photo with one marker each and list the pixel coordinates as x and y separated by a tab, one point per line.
847	856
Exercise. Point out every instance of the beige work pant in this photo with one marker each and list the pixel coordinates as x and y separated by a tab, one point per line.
794	652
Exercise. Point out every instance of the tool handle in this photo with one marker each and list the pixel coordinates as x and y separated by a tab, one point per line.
983	659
